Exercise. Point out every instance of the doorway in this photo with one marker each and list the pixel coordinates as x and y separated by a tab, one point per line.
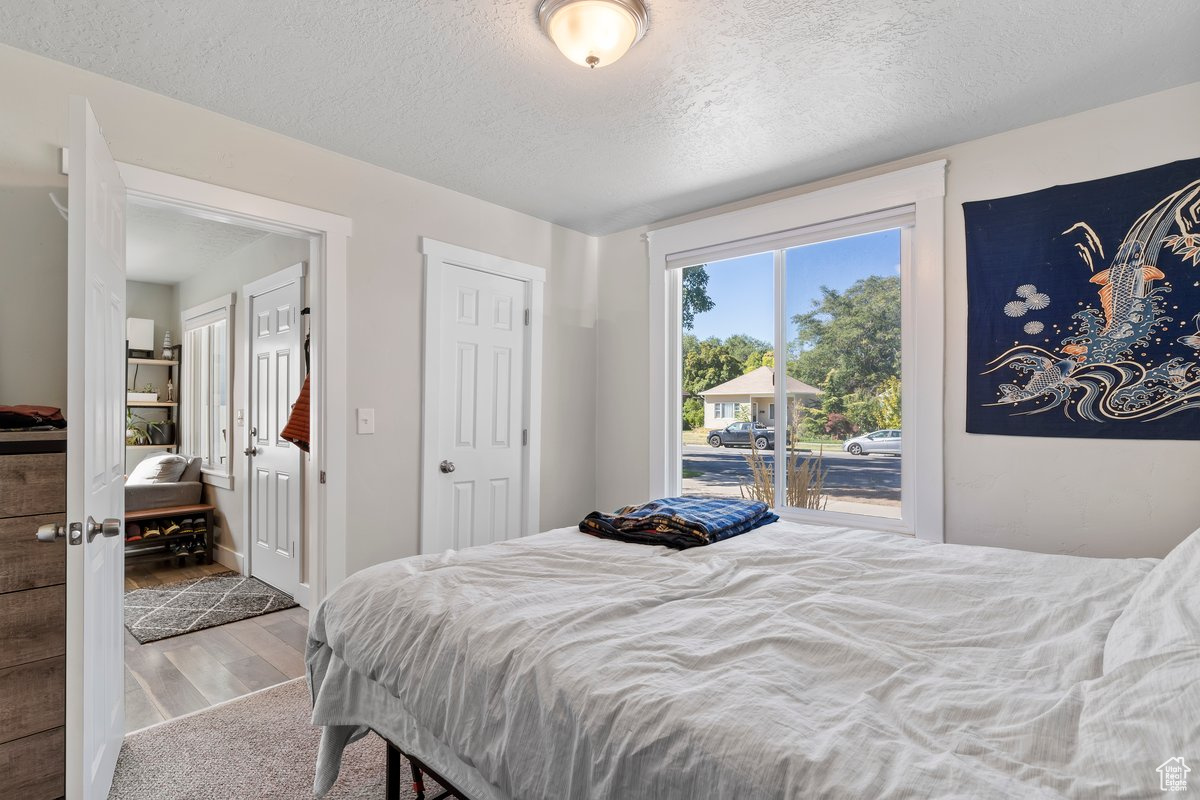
210	614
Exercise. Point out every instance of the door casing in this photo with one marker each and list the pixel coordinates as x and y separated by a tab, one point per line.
327	502
437	256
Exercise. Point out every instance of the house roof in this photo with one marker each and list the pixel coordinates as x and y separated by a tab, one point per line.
760	381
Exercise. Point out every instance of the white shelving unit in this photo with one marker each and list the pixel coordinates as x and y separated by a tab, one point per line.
161	370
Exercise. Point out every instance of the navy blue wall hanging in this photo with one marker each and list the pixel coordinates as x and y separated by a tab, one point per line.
1084	308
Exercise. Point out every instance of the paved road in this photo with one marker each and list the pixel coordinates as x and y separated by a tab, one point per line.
873	478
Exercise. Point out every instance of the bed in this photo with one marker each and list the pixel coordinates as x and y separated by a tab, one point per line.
795	661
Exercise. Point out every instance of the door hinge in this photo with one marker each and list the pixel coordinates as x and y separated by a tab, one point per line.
525	438
322	476
527	318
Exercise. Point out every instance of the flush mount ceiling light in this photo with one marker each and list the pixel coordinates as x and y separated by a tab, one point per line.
593	33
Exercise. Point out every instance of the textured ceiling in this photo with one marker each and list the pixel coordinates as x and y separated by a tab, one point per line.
168	246
723	99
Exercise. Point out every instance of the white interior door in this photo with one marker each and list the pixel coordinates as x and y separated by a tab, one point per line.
481	379
276	370
95	453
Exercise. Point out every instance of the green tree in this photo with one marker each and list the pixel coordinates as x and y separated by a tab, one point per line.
849	345
695	295
744	348
693	413
707	363
855	332
766	358
889	403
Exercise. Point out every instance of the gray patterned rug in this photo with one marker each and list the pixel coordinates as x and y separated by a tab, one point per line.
177	608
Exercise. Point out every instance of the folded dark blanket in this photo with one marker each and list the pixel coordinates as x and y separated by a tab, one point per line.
679	522
31	417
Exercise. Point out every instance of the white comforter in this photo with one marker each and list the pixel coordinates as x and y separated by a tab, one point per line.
791	662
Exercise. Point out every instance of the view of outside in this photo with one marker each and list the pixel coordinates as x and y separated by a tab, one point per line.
843	377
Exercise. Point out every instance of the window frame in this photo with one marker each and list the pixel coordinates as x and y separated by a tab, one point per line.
219	309
916	196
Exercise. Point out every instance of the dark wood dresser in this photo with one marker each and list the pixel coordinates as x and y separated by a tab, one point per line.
33	620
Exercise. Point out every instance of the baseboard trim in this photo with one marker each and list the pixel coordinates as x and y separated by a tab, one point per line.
230	558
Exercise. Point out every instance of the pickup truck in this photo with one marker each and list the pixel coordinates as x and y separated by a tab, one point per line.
738	435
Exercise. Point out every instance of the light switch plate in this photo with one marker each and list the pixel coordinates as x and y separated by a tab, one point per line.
366	420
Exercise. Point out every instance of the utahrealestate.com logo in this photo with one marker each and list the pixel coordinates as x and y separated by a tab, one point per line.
1172	775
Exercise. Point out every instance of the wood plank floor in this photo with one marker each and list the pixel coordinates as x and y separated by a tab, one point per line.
176	676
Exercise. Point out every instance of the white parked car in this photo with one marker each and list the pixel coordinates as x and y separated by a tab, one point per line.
876	442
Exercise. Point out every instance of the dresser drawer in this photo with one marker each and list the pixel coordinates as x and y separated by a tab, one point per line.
33	766
34	697
26	563
33	626
33	484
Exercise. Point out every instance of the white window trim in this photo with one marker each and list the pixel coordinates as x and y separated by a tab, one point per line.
215	310
918	191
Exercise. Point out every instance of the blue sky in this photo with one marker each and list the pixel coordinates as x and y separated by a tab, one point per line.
743	288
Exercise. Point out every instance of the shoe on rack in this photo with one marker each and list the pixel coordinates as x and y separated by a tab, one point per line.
199	546
200	527
186	526
133	532
171	528
151	531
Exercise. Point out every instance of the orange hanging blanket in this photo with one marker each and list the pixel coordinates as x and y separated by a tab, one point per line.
297	429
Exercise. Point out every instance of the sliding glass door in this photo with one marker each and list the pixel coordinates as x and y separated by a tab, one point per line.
792	371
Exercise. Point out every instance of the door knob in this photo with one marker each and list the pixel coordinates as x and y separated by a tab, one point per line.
251	450
446	467
110	527
50	532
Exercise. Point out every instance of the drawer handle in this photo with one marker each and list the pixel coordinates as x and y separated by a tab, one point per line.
50	532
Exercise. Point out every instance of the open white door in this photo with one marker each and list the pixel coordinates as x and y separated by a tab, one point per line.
95	452
276	366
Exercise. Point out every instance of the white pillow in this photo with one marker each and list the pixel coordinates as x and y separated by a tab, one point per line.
1163	612
158	468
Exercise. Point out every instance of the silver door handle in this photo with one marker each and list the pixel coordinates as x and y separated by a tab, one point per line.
251	451
50	532
110	527
447	467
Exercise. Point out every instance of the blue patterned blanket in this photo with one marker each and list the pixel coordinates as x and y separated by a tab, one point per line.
679	522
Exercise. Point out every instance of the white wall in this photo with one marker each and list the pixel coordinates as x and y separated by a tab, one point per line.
154	301
1090	497
229	275
390	213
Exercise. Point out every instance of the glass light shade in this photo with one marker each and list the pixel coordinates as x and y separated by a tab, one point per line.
593	33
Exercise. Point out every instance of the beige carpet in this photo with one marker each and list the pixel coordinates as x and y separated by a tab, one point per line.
258	746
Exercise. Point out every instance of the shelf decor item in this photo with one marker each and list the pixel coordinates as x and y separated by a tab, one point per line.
140	335
162	433
166	349
141	397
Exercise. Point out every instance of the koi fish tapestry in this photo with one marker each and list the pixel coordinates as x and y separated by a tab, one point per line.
1084	308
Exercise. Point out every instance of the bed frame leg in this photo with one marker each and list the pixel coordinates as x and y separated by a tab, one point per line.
418	780
392	786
